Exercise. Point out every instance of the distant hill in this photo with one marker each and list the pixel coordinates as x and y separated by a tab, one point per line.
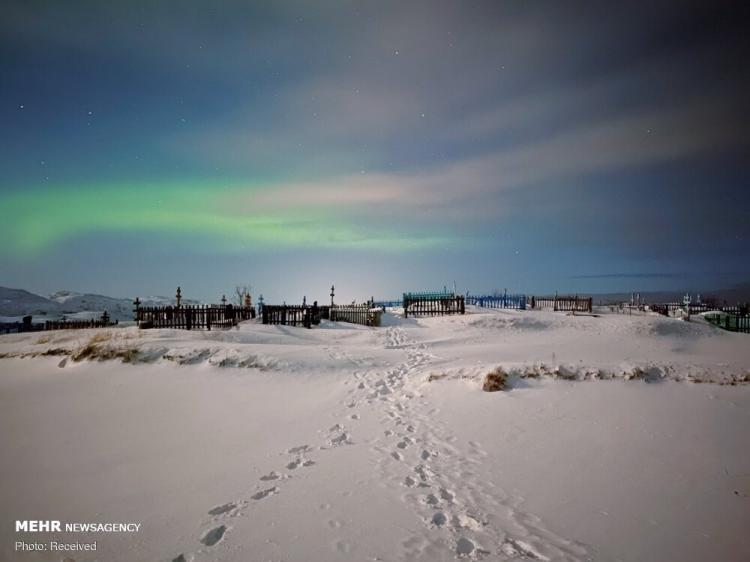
18	302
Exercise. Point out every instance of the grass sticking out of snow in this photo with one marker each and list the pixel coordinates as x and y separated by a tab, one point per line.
495	381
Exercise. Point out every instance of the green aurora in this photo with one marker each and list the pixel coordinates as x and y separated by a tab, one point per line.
36	220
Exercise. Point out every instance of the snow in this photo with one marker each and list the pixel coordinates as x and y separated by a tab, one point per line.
17	303
352	443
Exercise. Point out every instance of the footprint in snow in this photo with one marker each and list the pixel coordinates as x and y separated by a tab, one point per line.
214	535
423	472
446	495
342	439
220	509
265	493
273	475
299	462
464	547
409	482
430	499
439	519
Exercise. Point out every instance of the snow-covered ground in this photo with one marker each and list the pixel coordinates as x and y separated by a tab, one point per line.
352	443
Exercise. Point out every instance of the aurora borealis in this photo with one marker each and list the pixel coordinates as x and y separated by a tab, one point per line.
381	146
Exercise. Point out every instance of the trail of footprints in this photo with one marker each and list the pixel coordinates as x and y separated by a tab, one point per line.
270	485
426	465
439	480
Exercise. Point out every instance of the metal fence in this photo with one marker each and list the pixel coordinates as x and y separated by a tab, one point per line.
731	322
78	324
362	314
433	304
290	315
192	317
563	303
517	302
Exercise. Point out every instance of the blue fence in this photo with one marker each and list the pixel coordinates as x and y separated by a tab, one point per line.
505	300
422	295
429	295
388	304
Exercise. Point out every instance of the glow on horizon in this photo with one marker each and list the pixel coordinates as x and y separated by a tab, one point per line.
37	220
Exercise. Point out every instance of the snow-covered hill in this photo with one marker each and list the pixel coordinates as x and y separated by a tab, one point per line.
15	303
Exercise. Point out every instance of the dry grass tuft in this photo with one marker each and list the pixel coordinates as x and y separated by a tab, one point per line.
53	351
100	337
94	350
495	380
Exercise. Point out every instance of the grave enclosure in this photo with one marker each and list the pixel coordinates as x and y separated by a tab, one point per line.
433	304
192	317
563	303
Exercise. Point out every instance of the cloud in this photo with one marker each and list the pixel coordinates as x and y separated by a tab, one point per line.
451	190
662	275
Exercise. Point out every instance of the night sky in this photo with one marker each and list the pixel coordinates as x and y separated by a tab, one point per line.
381	146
